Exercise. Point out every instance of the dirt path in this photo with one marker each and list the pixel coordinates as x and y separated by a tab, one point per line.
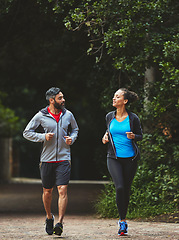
83	227
22	216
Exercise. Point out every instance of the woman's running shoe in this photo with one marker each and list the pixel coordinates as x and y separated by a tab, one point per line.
123	228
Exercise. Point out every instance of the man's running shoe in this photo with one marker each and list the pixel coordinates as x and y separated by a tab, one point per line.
49	225
58	229
123	228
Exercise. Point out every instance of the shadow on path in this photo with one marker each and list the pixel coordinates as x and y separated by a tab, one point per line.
25	196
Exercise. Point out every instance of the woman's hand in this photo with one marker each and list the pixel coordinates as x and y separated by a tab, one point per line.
105	138
130	135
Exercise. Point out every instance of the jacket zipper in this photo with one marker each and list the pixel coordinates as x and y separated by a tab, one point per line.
60	121
57	144
112	139
133	142
136	152
57	132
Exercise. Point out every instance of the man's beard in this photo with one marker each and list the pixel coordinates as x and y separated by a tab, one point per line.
59	106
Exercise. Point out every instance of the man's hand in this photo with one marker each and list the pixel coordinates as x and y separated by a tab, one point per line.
130	135
105	138
68	140
49	136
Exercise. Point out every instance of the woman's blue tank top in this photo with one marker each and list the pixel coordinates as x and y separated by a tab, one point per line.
123	145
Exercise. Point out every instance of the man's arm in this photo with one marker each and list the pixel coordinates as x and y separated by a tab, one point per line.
74	130
29	132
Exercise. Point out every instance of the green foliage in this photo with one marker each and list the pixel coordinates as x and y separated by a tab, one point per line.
133	36
155	187
106	204
4	6
8	120
134	33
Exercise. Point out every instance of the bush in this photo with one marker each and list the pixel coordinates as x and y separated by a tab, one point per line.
9	122
155	187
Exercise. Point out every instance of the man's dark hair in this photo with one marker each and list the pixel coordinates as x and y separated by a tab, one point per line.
52	92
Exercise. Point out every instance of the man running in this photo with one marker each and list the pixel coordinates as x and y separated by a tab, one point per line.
60	131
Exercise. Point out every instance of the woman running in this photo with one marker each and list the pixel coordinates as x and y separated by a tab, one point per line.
123	131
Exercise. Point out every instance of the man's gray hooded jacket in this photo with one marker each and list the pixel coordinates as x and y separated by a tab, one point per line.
56	149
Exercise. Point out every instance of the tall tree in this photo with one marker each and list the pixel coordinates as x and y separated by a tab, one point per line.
140	37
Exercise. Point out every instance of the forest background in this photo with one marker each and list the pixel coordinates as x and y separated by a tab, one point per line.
90	49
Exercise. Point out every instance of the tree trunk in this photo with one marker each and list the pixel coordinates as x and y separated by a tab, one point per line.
148	83
5	159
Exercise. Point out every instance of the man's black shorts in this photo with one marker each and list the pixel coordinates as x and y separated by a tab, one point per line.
55	173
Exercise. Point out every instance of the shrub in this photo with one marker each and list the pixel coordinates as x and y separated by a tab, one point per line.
155	187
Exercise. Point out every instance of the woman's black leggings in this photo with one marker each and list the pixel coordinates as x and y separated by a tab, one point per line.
122	171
